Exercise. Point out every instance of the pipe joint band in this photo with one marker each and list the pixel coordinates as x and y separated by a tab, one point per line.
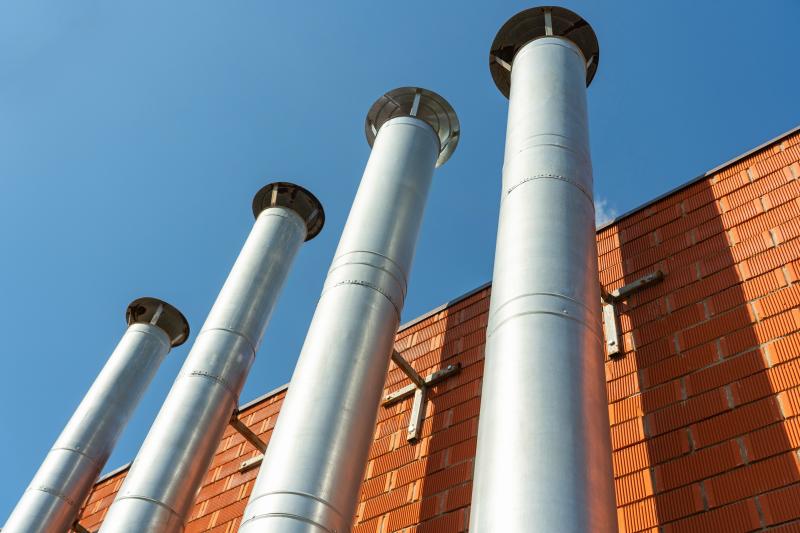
142	506
215	378
546	143
222	356
362	283
546	303
289	516
73	449
55	492
218	330
369	269
294	505
547	176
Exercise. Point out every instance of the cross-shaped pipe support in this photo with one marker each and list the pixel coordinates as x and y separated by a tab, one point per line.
419	388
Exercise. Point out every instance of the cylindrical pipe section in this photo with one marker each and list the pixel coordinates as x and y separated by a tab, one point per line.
53	499
544	455
159	490
316	457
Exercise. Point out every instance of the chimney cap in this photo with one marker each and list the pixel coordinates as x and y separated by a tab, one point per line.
297	198
531	24
143	310
418	103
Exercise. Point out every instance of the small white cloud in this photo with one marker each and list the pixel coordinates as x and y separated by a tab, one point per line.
603	212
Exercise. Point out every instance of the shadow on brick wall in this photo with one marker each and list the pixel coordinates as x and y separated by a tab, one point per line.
697	425
426	486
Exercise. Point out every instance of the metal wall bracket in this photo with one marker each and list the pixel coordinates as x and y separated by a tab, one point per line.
250	437
610	316
245	432
251	463
419	388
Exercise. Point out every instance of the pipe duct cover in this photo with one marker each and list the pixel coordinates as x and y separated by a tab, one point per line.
420	103
142	310
294	197
531	24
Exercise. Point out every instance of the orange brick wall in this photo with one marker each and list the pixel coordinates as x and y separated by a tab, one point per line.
704	404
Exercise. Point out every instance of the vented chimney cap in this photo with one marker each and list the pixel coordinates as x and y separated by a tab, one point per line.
422	104
531	24
172	321
296	198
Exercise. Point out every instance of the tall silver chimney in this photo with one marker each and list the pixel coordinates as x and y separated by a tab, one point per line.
315	461
544	454
160	488
53	499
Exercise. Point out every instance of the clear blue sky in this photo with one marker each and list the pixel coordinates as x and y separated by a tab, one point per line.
133	136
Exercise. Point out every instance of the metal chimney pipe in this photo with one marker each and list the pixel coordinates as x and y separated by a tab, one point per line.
544	455
315	460
53	499
160	488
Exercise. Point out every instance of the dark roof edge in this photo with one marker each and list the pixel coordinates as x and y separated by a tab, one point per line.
113	473
698	178
242	407
263	397
442	307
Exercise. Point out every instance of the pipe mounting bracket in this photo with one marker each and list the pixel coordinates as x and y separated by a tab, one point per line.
610	311
419	389
246	432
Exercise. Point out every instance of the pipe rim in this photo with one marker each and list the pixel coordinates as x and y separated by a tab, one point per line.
528	25
171	321
297	198
431	109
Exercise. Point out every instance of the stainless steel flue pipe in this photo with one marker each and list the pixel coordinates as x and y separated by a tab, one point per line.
544	456
312	471
160	488
53	499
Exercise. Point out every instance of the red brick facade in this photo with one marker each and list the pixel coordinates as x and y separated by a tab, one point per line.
704	404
